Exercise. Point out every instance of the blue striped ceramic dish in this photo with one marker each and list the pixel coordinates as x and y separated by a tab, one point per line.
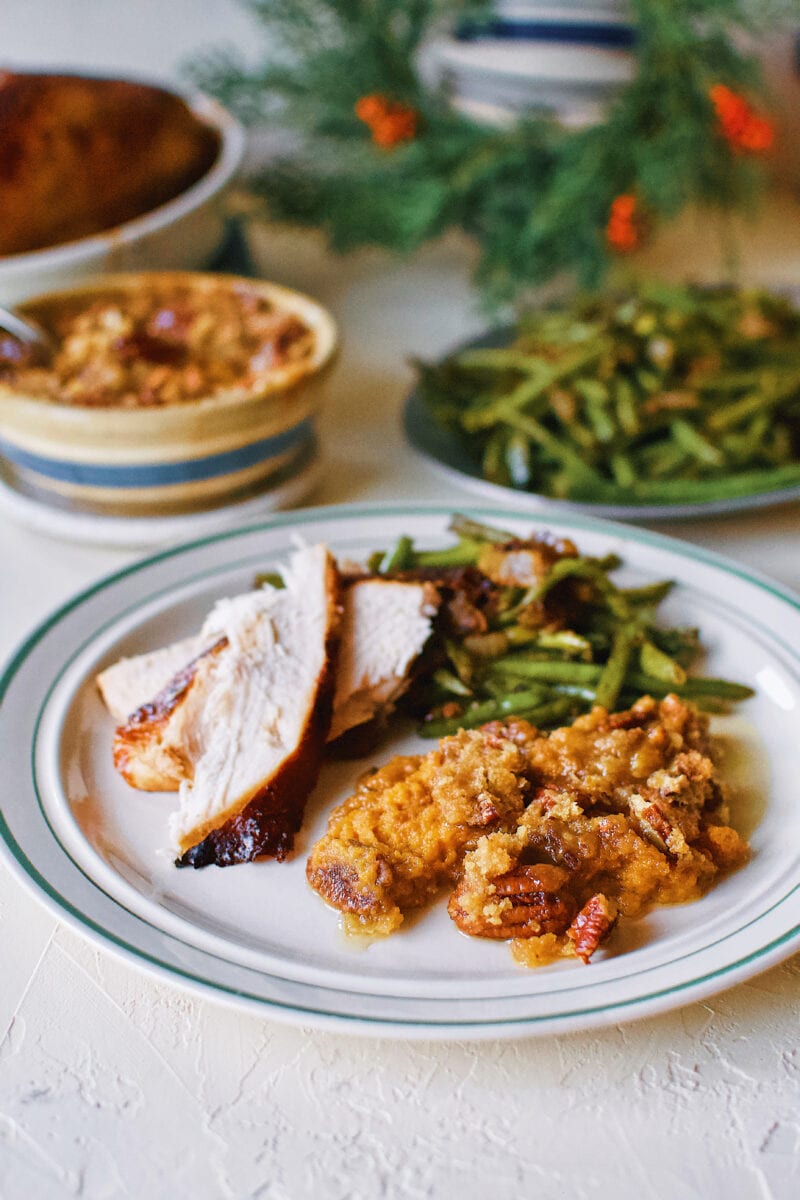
174	458
568	60
604	26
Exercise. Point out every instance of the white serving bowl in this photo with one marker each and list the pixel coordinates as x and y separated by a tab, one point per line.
179	235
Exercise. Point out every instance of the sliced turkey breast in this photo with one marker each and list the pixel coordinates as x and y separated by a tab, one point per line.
152	747
132	682
239	731
385	625
262	718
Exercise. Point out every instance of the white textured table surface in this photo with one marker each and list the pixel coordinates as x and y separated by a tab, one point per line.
113	1085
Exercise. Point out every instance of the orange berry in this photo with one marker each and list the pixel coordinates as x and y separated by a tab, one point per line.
371	108
622	230
398	124
624	206
757	136
739	124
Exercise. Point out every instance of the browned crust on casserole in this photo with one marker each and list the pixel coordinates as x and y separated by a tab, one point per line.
401	836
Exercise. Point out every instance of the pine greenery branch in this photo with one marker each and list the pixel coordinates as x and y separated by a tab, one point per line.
535	197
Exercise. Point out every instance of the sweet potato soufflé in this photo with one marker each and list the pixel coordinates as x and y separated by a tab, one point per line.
545	838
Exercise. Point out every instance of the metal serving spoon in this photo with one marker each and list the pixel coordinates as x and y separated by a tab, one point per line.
29	332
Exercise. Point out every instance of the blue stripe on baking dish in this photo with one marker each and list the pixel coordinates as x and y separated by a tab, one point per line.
161	474
582	33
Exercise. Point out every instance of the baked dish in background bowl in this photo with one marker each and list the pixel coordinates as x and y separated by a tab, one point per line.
168	392
107	175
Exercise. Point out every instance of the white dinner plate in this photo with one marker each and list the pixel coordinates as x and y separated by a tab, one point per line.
257	936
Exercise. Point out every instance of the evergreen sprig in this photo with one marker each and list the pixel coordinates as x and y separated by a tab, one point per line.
535	196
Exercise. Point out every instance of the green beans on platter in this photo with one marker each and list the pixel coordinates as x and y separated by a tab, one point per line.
672	395
547	648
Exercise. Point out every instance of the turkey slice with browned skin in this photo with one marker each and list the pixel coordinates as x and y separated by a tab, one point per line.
263	710
151	748
130	683
385	626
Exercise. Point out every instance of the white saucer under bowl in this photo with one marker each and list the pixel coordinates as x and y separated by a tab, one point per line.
141	533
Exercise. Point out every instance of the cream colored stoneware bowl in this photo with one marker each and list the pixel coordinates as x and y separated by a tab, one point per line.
181	234
174	458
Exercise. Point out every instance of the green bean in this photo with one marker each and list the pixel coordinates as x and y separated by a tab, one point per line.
568	568
499	360
649	381
524	704
548	672
584	438
663	458
449	682
650	593
534	653
730	381
611	680
470	530
460	659
493	464
613	654
399	558
695	686
626	407
595	394
599	419
609	562
695	444
577	690
496	409
566	641
622	470
656	663
711	704
680	644
592	571
518	635
463	554
771	393
577	467
592	390
677	491
536	387
502	684
269	579
591	673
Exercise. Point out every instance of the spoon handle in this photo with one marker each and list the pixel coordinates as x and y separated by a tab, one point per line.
28	332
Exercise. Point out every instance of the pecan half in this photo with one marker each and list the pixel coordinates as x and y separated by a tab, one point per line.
526	902
592	925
